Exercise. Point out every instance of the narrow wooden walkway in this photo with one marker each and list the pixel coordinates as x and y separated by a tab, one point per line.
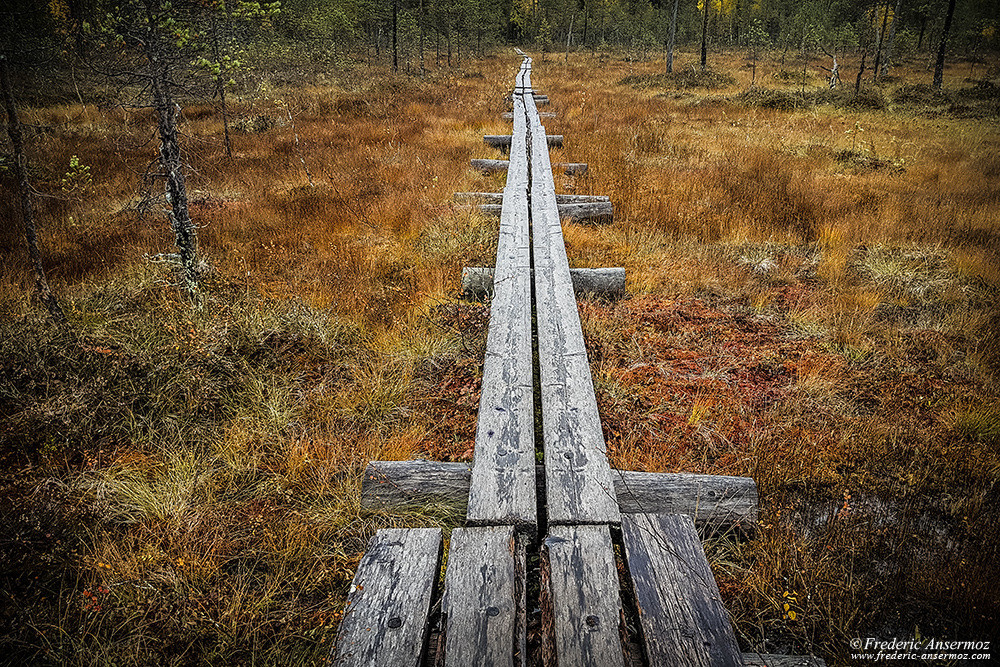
586	522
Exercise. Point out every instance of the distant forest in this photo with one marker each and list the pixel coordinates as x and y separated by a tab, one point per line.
414	34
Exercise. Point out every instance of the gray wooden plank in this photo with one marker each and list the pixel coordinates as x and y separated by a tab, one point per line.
386	620
581	617
716	503
579	486
683	620
484	598
497	198
503	472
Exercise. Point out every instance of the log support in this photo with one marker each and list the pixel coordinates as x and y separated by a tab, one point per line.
607	283
717	504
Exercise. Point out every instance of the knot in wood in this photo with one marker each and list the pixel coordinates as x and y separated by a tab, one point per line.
395	622
492	611
592	621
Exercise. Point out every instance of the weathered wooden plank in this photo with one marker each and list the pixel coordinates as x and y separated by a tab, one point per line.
579	487
717	504
387	615
581	615
496	166
684	622
503	141
503	472
544	114
773	660
497	198
573	168
592	213
484	598
489	166
606	283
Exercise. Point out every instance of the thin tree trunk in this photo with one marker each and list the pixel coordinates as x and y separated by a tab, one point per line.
704	38
892	38
423	68
939	67
24	195
673	37
923	29
881	37
185	233
220	87
569	36
395	42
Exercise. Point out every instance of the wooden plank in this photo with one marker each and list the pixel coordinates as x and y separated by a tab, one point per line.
581	606
503	472
591	213
484	598
489	166
386	620
497	198
579	485
604	283
683	620
773	660
573	168
716	504
544	114
503	141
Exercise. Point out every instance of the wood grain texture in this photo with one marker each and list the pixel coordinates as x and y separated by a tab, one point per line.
684	623
579	486
608	283
503	471
489	166
572	168
717	504
503	141
484	598
582	610
386	618
584	213
497	198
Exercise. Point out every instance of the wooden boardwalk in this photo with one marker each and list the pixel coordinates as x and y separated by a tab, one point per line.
580	521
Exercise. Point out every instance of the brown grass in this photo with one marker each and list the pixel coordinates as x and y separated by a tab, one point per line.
813	306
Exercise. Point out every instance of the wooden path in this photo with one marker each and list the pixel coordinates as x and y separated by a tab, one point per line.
544	545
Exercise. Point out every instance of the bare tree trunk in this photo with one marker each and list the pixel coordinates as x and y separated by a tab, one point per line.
861	71
673	37
704	38
939	67
185	233
24	194
395	42
892	38
423	68
220	87
881	37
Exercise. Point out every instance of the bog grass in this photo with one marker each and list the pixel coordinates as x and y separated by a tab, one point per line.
813	276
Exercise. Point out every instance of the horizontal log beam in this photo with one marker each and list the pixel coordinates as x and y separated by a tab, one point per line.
497	198
497	166
594	213
606	283
572	168
507	115
717	504
490	166
502	141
